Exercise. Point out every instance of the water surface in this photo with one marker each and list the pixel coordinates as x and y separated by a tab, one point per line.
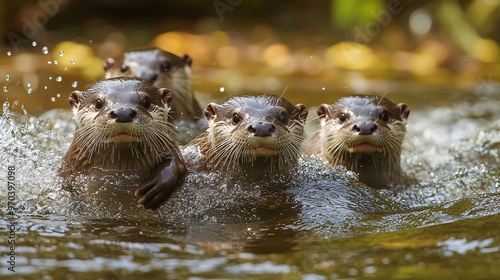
322	224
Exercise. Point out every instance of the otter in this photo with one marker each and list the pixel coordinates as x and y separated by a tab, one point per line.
163	70
365	134
246	133
122	125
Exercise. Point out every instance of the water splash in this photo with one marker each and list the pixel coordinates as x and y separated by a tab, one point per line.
456	179
33	146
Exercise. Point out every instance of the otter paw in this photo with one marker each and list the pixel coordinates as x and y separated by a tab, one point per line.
160	185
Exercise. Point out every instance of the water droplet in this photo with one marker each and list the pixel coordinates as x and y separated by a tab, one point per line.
58	79
74	84
50	78
72	61
58	95
222	89
323	88
45	50
30	90
45	87
5	88
7	77
53	99
61	53
9	53
6	107
56	62
65	68
49	62
33	43
28	85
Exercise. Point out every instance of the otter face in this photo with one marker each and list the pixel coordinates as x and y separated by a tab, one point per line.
247	128
362	125
155	66
120	111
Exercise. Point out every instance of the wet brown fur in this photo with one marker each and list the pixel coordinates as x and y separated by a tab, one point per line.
91	147
230	146
163	70
374	156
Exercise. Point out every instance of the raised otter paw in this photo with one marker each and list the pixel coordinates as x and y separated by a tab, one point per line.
162	182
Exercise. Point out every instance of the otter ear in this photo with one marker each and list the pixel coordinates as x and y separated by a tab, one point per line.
302	111
404	111
324	111
211	111
187	59
166	96
108	64
74	100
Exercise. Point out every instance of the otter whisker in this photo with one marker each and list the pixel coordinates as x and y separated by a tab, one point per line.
231	145
365	134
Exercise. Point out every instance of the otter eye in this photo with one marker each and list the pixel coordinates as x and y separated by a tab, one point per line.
384	116
98	104
124	68
342	117
283	118
146	103
165	66
236	118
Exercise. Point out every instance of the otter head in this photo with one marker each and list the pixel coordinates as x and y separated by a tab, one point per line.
155	66
365	134
257	130
118	121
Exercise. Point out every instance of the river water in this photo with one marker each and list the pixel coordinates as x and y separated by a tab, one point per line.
322	224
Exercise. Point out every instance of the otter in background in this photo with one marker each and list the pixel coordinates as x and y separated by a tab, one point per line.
164	70
365	134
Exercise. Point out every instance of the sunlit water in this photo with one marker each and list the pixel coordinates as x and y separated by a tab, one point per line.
315	222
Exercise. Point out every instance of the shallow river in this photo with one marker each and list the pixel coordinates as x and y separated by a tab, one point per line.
322	225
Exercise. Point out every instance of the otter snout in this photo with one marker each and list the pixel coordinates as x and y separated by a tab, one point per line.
149	77
123	114
364	128
262	129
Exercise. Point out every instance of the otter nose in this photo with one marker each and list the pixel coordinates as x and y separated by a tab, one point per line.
123	115
262	129
150	77
366	128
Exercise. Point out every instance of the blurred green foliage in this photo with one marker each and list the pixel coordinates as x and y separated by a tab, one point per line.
345	14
